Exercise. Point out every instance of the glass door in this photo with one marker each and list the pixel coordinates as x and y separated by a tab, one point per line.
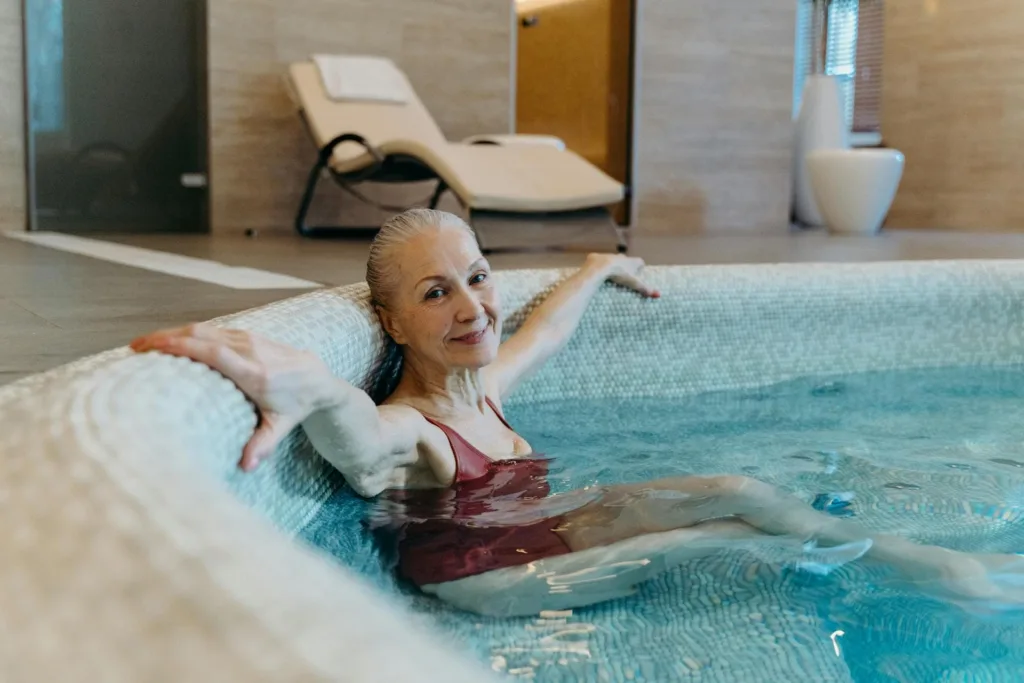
116	115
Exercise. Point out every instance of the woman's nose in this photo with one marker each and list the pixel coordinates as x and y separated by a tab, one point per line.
470	307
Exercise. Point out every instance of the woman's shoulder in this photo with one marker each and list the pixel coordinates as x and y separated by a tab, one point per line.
397	409
403	412
431	441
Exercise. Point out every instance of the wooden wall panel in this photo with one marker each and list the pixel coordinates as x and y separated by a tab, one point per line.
12	118
953	103
713	119
457	53
715	116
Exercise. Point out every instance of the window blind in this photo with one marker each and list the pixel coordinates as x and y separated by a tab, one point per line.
867	110
852	53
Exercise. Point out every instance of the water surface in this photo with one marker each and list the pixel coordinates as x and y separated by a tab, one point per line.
937	455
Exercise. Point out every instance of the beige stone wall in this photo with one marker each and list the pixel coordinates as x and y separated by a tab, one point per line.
715	115
457	53
953	103
12	118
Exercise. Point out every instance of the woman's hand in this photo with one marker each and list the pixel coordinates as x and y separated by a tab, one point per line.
286	384
622	270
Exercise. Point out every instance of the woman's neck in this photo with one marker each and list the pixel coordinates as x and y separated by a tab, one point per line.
449	392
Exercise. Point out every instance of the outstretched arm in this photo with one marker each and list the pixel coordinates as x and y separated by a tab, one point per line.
367	444
548	329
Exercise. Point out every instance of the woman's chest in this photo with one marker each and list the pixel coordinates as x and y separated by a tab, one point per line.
496	441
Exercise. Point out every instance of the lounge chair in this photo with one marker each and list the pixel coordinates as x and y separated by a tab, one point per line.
498	179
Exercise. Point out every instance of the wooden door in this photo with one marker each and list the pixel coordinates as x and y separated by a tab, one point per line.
574	79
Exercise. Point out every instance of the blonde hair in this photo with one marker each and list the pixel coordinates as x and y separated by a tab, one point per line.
395	232
380	267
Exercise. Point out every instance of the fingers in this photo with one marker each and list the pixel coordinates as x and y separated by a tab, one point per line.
172	338
273	428
196	331
628	265
635	261
236	355
637	285
147	339
215	354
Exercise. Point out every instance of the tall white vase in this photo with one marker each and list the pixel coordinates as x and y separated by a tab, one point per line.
820	124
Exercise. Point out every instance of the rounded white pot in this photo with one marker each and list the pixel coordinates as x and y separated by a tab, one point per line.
820	124
855	188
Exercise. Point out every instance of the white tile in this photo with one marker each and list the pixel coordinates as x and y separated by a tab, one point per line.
163	262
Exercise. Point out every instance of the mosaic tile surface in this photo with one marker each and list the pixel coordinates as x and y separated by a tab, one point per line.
120	469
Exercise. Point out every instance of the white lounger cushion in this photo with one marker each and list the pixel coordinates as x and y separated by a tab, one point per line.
373	79
516	178
524	178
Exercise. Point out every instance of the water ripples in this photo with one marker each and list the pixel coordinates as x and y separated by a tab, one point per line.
937	456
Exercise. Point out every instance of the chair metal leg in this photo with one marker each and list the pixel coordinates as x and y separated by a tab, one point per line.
442	187
324	231
307	199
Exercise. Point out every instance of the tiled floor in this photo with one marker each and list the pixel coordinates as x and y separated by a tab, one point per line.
56	307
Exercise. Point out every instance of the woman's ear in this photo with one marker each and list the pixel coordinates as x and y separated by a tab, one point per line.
387	321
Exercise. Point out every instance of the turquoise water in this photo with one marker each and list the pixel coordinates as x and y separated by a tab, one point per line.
937	455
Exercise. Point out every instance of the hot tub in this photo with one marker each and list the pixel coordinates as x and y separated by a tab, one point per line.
135	550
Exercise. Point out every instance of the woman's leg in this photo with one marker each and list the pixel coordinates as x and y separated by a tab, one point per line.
634	509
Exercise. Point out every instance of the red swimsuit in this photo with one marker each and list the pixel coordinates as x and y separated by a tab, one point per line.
469	529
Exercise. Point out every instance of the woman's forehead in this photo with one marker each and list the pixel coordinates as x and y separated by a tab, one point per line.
438	253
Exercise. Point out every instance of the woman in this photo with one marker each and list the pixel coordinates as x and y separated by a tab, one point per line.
466	492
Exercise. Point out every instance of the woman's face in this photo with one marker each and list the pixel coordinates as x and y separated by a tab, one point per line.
443	306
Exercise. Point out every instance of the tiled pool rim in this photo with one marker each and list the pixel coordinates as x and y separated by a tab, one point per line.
134	550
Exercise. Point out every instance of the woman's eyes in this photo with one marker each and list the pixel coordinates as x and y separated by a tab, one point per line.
438	292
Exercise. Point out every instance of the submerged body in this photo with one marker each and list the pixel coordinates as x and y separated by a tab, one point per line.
464	495
492	517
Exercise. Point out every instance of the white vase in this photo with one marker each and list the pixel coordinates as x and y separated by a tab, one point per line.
820	124
855	188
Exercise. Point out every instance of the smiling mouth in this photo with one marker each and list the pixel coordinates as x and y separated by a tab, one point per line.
472	337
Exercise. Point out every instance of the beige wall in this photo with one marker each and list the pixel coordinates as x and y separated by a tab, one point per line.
713	119
12	152
457	54
953	103
715	115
